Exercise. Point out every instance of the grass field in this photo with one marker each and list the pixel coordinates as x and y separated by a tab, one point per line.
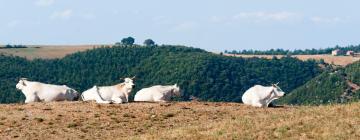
46	51
185	120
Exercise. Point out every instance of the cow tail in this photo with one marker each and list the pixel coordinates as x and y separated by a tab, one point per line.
82	98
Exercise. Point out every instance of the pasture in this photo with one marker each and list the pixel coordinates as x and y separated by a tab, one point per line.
178	120
46	51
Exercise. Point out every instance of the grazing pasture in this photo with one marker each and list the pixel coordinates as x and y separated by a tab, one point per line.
178	120
46	51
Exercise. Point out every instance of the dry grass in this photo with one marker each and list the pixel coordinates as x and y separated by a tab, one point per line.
46	51
337	60
186	120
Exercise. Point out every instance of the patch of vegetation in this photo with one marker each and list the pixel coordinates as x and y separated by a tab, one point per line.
72	125
168	115
13	46
39	119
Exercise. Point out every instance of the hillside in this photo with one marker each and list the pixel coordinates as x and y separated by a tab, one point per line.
333	86
182	120
202	74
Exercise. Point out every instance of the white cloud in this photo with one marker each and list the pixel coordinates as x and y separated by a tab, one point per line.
185	26
217	19
13	23
327	20
88	16
66	14
161	20
44	3
265	16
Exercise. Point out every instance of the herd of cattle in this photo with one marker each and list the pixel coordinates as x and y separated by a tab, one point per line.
258	96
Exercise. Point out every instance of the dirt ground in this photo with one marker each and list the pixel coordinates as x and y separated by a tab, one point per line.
179	120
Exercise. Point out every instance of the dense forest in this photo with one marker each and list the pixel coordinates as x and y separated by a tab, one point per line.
202	74
295	52
330	87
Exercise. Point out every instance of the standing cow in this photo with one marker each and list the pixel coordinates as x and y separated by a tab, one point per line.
157	93
110	94
36	92
260	96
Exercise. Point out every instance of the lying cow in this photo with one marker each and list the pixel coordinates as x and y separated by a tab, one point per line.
110	94
36	92
260	96
157	93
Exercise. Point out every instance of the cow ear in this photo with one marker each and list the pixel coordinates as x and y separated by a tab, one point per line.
23	82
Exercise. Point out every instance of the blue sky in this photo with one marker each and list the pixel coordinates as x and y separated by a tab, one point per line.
214	25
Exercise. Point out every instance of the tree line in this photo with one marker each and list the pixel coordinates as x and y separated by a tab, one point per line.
355	48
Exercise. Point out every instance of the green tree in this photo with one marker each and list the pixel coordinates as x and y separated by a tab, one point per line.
128	41
149	42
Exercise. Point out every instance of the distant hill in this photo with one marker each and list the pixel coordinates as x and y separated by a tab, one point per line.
334	86
355	48
326	58
207	76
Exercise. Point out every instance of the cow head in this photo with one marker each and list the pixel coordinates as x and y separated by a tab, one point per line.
176	90
277	91
129	83
21	84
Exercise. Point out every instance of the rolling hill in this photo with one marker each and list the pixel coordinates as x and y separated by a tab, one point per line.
333	86
202	74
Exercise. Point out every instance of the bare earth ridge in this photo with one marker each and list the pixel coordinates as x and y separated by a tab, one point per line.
179	120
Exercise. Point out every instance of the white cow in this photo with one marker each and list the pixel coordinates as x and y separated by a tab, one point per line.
36	92
110	94
157	93
260	96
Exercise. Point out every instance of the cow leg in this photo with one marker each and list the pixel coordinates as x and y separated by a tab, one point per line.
101	101
257	104
117	100
160	100
31	98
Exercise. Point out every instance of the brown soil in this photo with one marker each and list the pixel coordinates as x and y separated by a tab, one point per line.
181	120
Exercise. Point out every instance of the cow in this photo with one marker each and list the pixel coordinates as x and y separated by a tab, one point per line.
157	93
37	92
110	94
261	96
